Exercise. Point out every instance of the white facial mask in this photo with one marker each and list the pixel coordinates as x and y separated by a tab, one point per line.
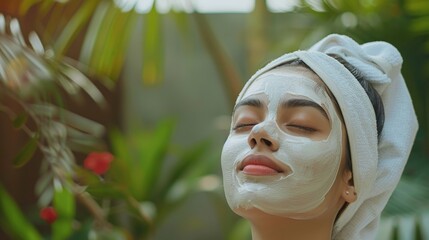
314	164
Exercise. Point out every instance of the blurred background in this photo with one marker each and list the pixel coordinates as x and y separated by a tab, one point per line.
148	86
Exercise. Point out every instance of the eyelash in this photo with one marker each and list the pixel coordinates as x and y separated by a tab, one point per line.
300	128
242	125
303	128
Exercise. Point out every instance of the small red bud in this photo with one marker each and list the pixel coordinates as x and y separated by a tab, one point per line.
48	214
98	162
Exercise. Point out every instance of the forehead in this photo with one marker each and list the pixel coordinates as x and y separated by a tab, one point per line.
295	80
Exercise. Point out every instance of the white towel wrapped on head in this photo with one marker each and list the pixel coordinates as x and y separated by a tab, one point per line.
377	162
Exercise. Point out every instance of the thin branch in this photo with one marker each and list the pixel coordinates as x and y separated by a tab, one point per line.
94	209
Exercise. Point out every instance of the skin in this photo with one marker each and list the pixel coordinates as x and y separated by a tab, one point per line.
314	124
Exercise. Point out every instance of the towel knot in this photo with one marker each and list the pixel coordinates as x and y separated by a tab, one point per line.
377	61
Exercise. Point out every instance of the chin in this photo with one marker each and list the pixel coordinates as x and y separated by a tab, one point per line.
253	213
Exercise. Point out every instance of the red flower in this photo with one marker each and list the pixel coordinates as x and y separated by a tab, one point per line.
48	214
98	162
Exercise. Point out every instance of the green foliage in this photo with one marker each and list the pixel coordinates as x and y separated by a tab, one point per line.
26	152
152	48
74	25
408	226
13	221
241	231
149	175
139	159
64	204
146	173
20	120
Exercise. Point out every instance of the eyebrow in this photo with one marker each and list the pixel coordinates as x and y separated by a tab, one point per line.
304	103
253	102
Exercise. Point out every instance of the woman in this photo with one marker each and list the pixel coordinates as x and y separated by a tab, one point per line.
308	156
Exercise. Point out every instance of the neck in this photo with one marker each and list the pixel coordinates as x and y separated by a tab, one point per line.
275	228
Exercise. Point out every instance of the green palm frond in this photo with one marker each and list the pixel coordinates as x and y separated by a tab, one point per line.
31	77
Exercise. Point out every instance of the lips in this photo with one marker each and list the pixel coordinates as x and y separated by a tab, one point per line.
260	165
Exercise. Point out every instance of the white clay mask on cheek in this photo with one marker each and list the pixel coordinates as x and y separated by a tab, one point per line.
314	164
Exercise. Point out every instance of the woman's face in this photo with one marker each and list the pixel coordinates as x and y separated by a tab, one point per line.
285	146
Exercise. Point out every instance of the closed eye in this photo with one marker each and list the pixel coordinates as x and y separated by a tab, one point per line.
241	126
302	128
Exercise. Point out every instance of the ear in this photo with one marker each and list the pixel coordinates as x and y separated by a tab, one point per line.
349	192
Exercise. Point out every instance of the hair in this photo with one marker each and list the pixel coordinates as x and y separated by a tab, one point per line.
373	96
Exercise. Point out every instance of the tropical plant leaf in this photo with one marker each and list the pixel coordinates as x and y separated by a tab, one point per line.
78	78
13	221
424	225
407	228
64	204
26	152
410	196
94	28
109	41
107	191
20	120
152	150
74	25
25	5
117	40
152	48
189	160
123	160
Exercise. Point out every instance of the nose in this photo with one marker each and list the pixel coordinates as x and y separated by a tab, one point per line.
259	137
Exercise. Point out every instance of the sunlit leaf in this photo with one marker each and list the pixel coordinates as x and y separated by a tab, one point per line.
110	191
45	198
86	177
152	48
44	182
13	221
108	43
119	38
74	25
94	27
83	142
56	13
15	30
83	124
64	204
36	43
26	152
83	82
417	7
99	49
25	5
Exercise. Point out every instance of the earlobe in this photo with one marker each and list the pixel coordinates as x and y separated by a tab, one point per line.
349	192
